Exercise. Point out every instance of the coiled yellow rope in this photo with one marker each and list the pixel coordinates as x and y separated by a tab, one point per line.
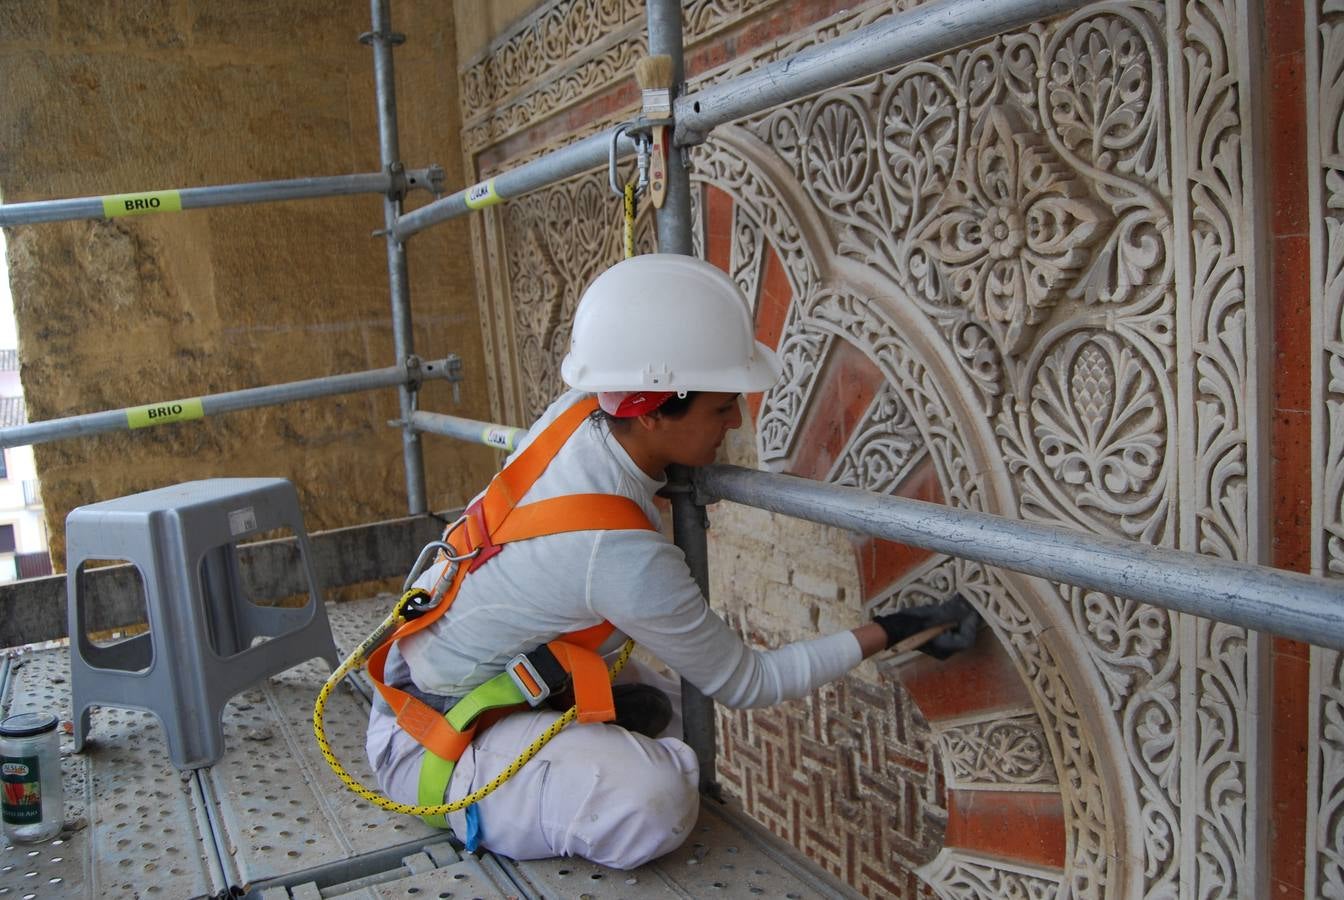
356	659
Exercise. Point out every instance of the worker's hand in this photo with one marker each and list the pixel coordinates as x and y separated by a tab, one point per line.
911	621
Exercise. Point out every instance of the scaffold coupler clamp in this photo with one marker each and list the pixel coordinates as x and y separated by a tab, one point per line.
537	674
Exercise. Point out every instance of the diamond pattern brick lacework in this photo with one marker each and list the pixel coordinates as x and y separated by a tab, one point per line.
849	775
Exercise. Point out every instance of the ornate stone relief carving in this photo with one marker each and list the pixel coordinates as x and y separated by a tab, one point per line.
1005	751
1084	348
566	52
800	355
554	36
1031	199
745	262
1325	820
961	876
1328	177
999	753
883	449
1325	80
1222	667
932	582
1002	753
865	323
559	240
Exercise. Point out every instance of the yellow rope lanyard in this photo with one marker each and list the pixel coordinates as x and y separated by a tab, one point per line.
356	659
630	208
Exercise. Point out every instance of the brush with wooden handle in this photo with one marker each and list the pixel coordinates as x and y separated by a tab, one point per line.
654	74
919	639
954	621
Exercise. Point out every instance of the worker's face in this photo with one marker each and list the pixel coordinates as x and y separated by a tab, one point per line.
694	438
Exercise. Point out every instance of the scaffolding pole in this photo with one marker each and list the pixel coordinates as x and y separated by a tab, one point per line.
174	200
501	437
1256	597
192	408
1260	598
916	34
905	37
689	520
382	39
554	167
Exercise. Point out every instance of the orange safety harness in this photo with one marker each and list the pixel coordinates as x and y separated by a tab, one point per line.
491	522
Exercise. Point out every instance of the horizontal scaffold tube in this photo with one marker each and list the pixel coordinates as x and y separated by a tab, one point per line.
1255	597
915	34
501	437
554	167
190	408
919	33
116	205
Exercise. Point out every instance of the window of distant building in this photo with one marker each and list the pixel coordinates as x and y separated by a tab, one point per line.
4	469
7	544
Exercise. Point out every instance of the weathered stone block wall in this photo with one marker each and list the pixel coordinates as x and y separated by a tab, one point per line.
136	96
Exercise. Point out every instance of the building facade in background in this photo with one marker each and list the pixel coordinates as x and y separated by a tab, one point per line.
23	527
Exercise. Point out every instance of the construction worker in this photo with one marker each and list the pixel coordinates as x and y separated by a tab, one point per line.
666	344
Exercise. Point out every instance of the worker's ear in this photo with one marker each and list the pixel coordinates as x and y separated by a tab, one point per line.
649	422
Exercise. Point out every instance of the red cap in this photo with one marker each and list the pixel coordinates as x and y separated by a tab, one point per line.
628	404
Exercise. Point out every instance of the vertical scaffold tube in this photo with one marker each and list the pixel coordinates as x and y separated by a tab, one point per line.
382	40
688	520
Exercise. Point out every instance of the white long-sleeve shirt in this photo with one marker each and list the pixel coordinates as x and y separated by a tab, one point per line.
538	589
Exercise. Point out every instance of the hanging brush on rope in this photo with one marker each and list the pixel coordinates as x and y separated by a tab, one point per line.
654	74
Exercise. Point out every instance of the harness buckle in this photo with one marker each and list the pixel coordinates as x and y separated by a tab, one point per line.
529	681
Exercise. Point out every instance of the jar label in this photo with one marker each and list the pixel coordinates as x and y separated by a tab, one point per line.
23	790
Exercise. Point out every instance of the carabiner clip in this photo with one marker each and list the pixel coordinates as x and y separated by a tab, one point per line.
424	602
642	150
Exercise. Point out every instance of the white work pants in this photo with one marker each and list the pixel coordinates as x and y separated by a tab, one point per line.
595	791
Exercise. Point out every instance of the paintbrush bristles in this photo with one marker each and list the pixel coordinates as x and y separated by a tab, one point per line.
654	72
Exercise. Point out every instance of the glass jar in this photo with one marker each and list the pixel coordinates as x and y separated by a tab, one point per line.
30	763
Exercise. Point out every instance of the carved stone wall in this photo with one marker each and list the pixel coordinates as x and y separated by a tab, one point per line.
1325	146
1025	277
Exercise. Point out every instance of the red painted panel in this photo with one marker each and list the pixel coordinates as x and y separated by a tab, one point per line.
718	228
1290	435
1010	825
881	563
776	294
979	680
849	382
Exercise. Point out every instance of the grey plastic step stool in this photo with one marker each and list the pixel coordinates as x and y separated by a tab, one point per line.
199	651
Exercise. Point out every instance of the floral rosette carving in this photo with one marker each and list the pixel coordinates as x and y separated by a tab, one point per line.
1013	232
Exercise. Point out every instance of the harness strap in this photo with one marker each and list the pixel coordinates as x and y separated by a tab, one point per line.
492	521
592	686
499	696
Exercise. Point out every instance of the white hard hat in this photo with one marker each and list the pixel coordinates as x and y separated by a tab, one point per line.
666	322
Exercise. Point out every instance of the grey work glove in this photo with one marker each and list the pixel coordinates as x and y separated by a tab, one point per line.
911	621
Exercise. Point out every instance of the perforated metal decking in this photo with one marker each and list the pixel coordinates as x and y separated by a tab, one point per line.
270	821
